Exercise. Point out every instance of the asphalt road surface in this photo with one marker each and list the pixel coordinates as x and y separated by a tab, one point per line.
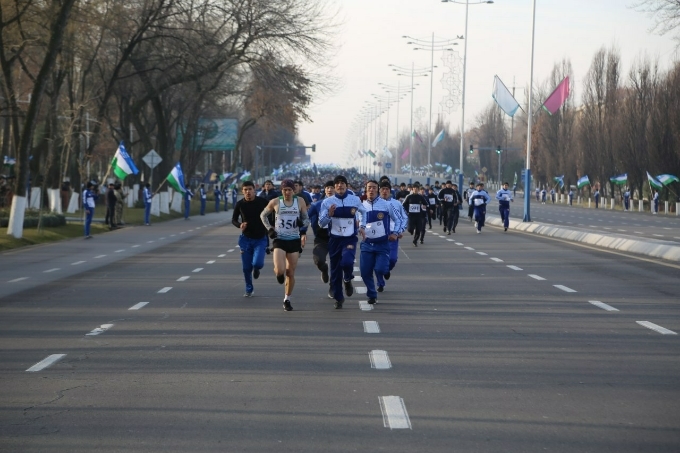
480	343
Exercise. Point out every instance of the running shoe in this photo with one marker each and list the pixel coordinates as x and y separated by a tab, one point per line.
281	278
380	289
256	273
371	301
349	289
387	276
249	294
330	294
287	306
338	304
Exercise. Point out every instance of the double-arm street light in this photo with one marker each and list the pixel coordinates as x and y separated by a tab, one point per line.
441	45
467	3
413	72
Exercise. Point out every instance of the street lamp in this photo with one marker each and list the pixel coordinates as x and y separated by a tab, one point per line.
462	119
432	46
399	91
415	72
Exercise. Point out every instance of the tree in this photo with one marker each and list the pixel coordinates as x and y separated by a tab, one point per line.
666	15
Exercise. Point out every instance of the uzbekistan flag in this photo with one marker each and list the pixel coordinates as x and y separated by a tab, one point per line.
176	179
620	180
583	181
438	138
653	182
667	179
122	163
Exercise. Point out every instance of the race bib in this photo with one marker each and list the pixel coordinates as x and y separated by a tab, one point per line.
286	224
506	197
414	208
432	201
448	198
375	230
479	202
341	226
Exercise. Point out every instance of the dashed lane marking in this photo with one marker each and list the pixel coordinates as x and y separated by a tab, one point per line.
101	329
183	279
198	269
458	243
515	268
51	270
536	277
138	306
365	306
99	256
119	251
210	262
380	360
498	260
356	269
482	253
469	248
149	242
394	413
77	262
656	328
566	289
602	305
135	246
222	255
230	250
44	363
164	290
450	240
361	289
371	327
18	279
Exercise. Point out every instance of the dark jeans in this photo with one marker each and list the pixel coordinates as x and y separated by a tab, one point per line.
451	218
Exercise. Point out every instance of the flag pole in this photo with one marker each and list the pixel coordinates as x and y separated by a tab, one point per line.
160	185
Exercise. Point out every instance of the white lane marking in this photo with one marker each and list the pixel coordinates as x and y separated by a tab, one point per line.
222	255
515	268
164	290
210	262
602	305
565	288
99	256
450	240
356	269
537	277
482	253
656	328
101	329
365	306
50	270
118	251
173	235
666	228
77	262
238	246
138	306
637	232
44	363
161	239
498	260
182	232
458	243
469	248
371	327
380	360
623	231
182	279
394	413
606	228
658	235
198	269
361	289
190	230
230	250
135	246
18	279
149	242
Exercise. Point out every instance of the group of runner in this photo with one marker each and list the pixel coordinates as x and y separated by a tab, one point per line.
338	217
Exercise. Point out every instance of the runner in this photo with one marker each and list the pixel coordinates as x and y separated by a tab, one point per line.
414	205
479	199
321	237
339	214
504	197
385	194
468	193
451	200
253	239
288	236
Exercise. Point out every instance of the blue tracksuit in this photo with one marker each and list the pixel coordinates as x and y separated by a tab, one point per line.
342	237
187	202
479	199
89	198
626	199
204	197
504	196
382	219
147	206
571	197
218	194
656	202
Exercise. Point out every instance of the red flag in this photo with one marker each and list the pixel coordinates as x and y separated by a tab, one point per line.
405	154
557	98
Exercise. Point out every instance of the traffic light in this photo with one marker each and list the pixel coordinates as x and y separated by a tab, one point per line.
471	149
313	148
498	149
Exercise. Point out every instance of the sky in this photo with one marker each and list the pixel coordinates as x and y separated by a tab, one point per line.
499	43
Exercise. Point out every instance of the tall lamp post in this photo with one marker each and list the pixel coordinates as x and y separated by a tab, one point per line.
431	46
462	118
412	72
527	173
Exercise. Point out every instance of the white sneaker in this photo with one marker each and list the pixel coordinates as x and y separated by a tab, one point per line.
479	232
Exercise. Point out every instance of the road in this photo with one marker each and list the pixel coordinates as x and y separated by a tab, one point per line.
480	343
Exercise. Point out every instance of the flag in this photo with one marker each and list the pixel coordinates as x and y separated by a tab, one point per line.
225	176
387	153
176	179
449	169
416	135
654	182
667	179
360	153
515	180
9	161
583	181
557	98
438	138
405	154
370	153
620	180
245	176
122	163
559	180
505	100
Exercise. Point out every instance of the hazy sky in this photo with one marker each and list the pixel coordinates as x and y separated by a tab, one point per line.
499	43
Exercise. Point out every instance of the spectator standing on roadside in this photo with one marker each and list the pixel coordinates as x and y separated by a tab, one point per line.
90	196
147	195
111	207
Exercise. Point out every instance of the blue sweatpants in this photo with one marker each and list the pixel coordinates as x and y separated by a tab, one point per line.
374	258
147	213
505	215
394	256
202	206
252	256
480	216
187	208
342	252
89	213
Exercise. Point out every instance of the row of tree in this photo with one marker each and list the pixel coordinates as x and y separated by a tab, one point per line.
80	76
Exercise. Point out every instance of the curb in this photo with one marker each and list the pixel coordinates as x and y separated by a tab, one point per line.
649	247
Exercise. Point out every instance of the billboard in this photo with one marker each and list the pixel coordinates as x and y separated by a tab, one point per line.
214	134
